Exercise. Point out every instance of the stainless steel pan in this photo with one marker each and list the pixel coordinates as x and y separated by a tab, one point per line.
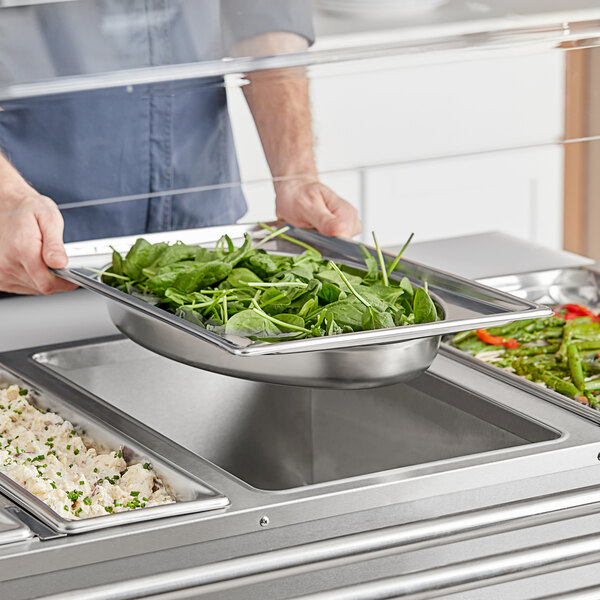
192	495
354	360
580	285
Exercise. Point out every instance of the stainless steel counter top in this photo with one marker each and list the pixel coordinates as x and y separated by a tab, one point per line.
480	525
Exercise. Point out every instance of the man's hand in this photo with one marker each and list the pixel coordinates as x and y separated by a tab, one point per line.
31	229
312	205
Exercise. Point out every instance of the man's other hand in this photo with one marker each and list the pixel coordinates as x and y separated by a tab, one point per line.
312	205
31	229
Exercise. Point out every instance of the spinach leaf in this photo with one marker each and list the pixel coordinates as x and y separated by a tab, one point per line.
331	327
177	253
373	319
372	297
294	320
372	267
328	275
191	315
407	286
308	306
310	292
347	312
274	301
179	298
234	257
117	263
202	254
146	258
241	277
265	265
166	277
141	295
248	323
329	292
131	267
203	275
303	273
139	245
423	307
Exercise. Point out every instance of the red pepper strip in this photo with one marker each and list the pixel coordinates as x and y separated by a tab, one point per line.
494	340
578	310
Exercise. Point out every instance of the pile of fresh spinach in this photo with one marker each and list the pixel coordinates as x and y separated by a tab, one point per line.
245	291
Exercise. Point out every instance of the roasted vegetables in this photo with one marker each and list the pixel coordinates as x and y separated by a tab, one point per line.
561	352
245	291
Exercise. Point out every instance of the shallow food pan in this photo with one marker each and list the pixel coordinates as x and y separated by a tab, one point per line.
192	494
353	360
580	285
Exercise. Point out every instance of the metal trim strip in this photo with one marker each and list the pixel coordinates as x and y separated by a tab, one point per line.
363	545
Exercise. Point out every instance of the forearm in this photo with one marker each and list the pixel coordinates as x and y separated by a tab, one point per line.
280	104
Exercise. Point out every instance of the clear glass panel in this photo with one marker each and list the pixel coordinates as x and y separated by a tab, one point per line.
448	119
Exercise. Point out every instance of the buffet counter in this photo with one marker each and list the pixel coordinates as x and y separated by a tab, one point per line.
455	484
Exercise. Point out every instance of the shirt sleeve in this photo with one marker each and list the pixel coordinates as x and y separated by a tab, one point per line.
245	19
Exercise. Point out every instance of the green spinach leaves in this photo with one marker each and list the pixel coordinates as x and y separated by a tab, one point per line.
246	292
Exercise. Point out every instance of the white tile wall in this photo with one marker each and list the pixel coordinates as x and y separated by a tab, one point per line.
517	192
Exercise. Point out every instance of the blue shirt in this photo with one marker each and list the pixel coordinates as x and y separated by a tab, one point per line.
116	142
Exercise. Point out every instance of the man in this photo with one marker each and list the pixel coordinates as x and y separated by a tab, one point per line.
149	139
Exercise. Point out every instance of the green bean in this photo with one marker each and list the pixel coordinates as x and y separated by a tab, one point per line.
531	350
592	386
593	401
589	345
575	367
553	332
473	346
561	386
462	336
554	382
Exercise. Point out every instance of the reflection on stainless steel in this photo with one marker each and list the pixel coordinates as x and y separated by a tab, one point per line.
192	495
473	574
274	437
367	544
580	285
11	529
555	286
354	360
